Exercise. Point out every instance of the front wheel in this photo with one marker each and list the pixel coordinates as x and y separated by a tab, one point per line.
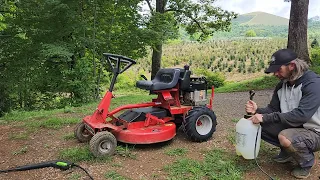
81	133
103	144
200	124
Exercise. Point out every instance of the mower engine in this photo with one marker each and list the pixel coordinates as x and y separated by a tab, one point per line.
196	94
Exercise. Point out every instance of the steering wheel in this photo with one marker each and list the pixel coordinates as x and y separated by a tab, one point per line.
118	60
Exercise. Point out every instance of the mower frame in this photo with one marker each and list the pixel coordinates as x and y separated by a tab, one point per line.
98	125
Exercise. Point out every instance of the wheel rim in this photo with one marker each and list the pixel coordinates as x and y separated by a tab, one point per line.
204	124
105	146
85	133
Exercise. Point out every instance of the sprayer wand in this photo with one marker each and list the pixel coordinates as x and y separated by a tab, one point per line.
62	165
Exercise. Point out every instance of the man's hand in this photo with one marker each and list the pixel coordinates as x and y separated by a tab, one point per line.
256	119
251	107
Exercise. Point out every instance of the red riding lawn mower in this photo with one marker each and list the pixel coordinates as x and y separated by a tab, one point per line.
181	100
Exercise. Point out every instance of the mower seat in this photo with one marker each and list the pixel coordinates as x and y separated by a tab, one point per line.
184	79
164	79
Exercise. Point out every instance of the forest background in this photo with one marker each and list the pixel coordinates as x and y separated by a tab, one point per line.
51	52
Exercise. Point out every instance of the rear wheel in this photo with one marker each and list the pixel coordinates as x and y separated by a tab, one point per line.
103	144
200	123
81	133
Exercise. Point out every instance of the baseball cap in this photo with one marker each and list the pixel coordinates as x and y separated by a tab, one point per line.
279	58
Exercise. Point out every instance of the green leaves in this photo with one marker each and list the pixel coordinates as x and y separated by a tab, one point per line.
201	17
51	57
162	27
56	52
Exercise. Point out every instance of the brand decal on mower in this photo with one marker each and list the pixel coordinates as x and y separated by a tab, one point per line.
89	129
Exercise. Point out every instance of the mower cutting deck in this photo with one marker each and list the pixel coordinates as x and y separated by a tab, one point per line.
181	100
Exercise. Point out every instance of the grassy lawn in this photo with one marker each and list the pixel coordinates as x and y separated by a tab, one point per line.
265	82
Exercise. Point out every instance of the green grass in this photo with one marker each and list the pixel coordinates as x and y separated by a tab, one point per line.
115	176
19	136
27	115
176	152
232	136
22	150
125	151
69	136
78	154
217	164
235	120
265	82
51	123
75	176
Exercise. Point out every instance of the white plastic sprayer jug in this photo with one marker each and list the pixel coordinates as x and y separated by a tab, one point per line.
248	136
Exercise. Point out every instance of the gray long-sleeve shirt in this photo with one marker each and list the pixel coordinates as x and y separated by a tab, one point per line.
297	104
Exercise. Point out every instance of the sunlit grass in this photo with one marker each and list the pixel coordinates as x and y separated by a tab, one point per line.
217	164
176	152
78	154
51	122
265	82
112	175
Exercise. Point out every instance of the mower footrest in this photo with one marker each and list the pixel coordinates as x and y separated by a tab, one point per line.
139	114
147	135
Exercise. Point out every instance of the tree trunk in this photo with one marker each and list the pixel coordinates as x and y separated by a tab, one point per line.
156	59
298	24
157	49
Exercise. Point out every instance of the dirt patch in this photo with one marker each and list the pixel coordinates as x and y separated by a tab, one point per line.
45	144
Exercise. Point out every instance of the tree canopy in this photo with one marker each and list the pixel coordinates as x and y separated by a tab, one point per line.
51	50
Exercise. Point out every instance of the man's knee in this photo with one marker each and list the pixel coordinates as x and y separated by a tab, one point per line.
284	141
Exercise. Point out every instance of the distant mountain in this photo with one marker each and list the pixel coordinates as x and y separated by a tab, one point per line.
314	19
264	25
261	18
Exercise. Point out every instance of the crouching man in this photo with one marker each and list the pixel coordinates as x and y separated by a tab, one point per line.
291	120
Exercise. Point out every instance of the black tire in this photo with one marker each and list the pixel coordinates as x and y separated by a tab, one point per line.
200	124
81	133
103	144
178	121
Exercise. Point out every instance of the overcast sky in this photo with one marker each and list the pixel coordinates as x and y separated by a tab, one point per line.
276	7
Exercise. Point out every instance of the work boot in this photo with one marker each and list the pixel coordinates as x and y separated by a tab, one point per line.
282	157
301	173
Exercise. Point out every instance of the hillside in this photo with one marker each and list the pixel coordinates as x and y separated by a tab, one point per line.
262	18
265	25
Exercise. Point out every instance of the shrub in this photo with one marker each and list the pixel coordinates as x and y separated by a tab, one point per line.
315	60
215	79
315	56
